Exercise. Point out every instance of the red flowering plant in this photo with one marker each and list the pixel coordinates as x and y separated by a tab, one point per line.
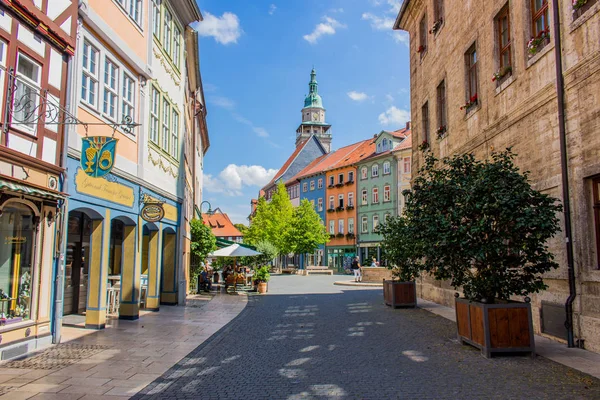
424	146
441	131
472	101
535	44
421	49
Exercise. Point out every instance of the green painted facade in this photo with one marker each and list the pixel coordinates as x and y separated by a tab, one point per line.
377	176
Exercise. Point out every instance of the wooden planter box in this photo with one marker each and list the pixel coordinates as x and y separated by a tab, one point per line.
495	328
399	294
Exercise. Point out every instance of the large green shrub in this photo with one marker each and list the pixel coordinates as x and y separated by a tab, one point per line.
481	225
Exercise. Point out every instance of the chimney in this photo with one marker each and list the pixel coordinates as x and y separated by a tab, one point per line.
408	126
375	136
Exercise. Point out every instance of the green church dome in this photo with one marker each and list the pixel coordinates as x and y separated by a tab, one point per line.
313	99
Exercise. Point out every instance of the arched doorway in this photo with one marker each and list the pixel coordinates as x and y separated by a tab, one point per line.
150	274
168	292
78	258
123	287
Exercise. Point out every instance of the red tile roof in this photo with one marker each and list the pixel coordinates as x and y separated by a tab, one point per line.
406	143
221	225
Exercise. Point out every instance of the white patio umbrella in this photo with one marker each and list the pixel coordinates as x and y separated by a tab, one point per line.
235	250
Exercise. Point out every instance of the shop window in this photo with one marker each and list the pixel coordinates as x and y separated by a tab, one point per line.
16	262
116	247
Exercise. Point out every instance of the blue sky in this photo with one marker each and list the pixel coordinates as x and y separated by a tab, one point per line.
256	58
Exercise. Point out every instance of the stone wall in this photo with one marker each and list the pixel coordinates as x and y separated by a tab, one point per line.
376	274
521	113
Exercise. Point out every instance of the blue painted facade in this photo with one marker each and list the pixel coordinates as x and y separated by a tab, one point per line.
313	193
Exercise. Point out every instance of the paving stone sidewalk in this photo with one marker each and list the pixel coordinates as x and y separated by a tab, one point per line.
117	362
310	340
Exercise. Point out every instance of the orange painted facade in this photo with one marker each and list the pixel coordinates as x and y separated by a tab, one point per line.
345	189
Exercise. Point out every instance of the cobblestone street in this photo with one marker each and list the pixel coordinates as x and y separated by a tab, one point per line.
310	339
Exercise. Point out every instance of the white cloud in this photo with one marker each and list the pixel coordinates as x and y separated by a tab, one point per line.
260	131
394	116
389	97
224	29
209	87
272	9
379	23
328	27
221	101
401	37
357	96
337	10
234	178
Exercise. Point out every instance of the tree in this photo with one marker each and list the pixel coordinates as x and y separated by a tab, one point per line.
203	242
259	229
306	231
280	218
242	228
402	249
268	250
481	225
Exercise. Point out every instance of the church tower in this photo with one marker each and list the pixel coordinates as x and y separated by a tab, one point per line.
313	117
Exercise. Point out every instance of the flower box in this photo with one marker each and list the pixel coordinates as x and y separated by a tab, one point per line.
421	49
350	235
339	235
503	72
436	26
338	209
424	145
349	207
470	103
350	182
537	43
340	184
495	328
330	210
441	131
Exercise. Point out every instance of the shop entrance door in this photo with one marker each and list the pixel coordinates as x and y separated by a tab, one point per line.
76	268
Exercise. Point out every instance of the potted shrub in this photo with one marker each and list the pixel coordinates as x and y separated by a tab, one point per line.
403	254
485	229
261	277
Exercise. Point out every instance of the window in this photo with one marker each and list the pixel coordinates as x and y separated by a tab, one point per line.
320	204
128	97
386	193
312	203
175	135
350	225
386	168
332	227
312	185
331	180
3	47
156	17
305	187
387	217
27	96
438	10
351	199
471	64
176	45
596	194
341	201
375	222
375	171
133	8
167	19
364	225
111	81
422	36
166	119
154	115
364	198
320	183
375	195
539	17
89	81
504	39
18	233
441	104
407	165
425	121
331	205
363	173
577	12
341	178
351	176
341	226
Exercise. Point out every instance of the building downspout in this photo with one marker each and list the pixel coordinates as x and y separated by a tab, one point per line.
560	97
64	217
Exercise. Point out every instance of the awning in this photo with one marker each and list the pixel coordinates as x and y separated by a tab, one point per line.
224	243
29	190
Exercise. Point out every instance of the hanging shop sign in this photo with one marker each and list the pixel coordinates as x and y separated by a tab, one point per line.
153	210
98	155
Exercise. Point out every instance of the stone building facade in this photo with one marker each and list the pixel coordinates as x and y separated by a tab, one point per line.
484	78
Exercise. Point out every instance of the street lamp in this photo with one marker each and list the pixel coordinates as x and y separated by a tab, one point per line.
209	212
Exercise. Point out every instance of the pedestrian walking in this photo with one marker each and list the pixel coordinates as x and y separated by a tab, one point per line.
357	269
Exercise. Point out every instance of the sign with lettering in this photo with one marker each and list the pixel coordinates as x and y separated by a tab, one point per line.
98	155
152	212
103	189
